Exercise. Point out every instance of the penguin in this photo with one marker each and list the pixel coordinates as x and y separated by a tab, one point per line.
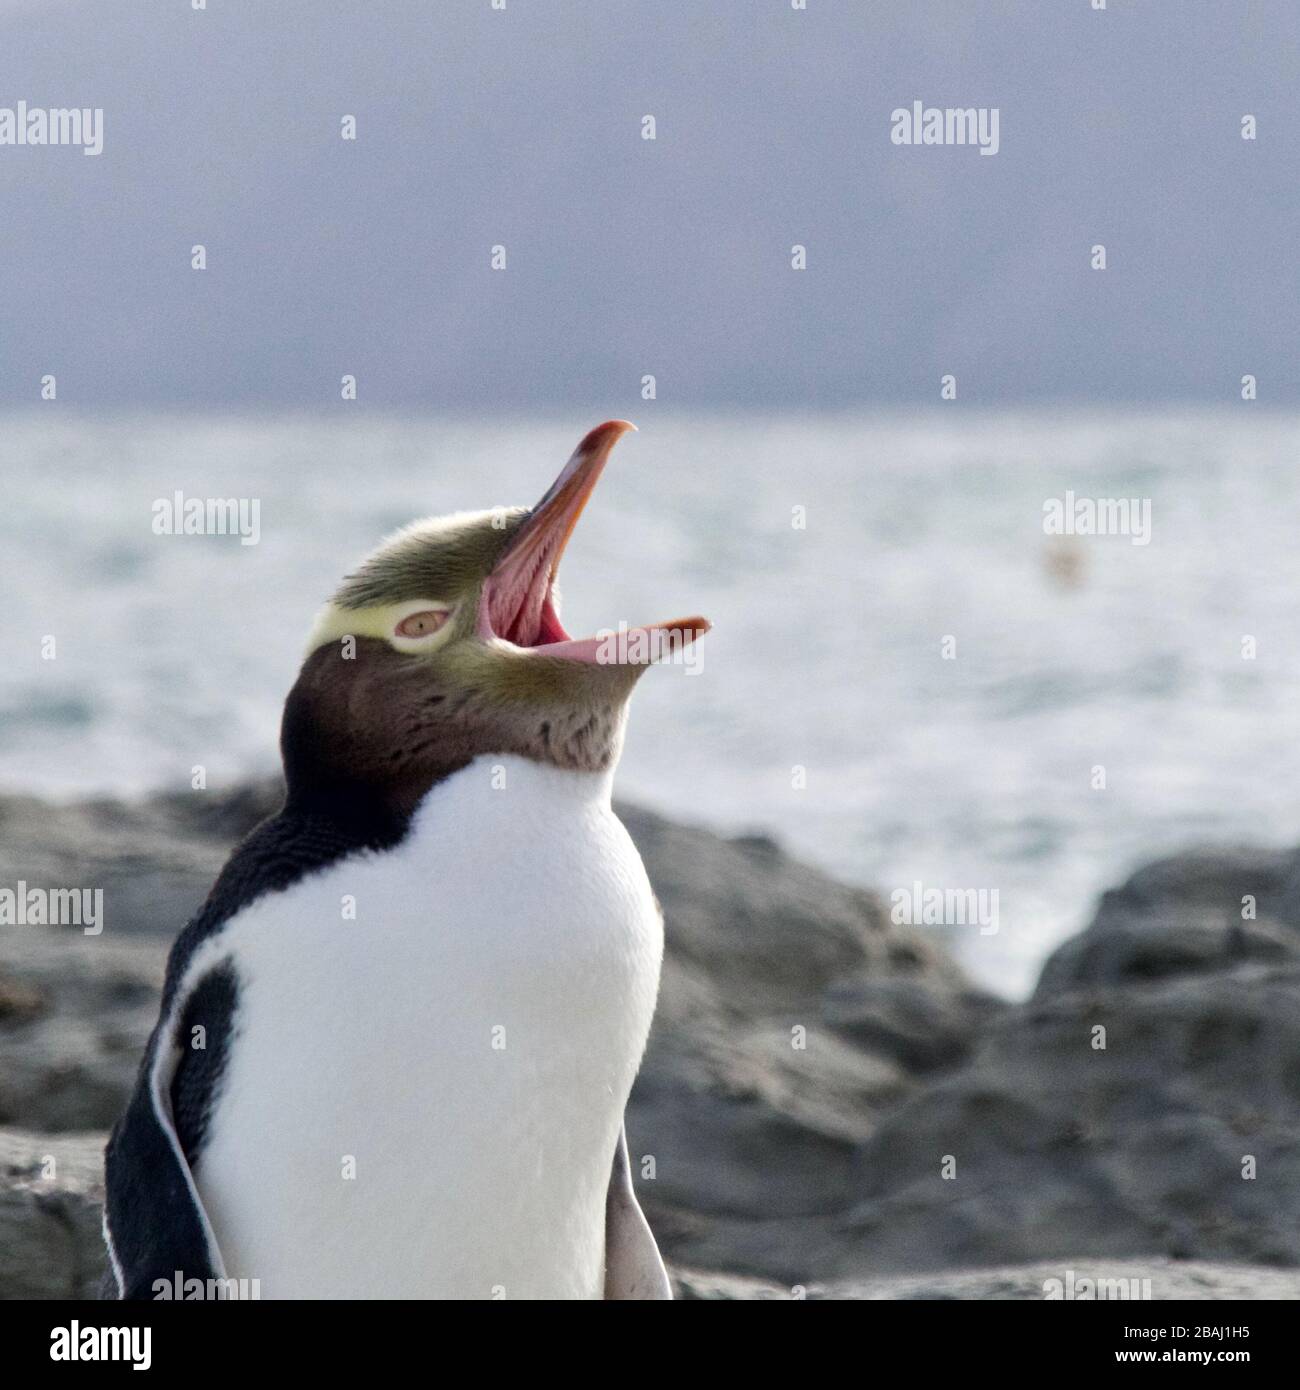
396	1042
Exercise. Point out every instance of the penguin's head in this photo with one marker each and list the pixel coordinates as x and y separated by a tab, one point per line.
446	644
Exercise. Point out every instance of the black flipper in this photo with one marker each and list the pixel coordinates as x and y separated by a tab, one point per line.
154	1220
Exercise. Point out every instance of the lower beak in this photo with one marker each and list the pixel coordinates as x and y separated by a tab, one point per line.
516	602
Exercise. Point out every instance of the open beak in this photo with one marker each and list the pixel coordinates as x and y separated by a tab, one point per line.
516	605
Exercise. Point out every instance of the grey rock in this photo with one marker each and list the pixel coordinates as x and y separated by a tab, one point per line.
922	1027
51	1197
1063	1147
1286	906
69	1062
1183	915
1086	1280
154	860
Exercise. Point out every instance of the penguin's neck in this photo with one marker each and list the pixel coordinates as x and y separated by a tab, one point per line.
504	785
361	818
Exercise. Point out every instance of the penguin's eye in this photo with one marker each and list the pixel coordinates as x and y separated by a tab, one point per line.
422	624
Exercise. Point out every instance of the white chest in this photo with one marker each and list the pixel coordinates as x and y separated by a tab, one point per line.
433	1049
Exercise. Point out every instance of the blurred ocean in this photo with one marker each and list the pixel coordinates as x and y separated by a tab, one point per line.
974	772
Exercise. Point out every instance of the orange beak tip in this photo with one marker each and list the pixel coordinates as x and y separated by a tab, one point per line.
604	437
695	626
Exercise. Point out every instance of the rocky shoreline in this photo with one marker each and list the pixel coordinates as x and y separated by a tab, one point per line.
813	1072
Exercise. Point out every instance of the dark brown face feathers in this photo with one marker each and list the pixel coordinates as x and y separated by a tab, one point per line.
377	728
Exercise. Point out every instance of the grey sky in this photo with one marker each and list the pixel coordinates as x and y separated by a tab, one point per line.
671	257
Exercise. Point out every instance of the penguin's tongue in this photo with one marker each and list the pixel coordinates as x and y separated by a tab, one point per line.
516	601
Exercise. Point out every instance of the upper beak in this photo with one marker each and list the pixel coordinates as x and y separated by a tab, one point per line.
551	521
515	591
516	600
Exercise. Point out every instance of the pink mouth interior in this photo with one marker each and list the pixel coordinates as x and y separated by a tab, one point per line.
523	615
516	604
516	601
